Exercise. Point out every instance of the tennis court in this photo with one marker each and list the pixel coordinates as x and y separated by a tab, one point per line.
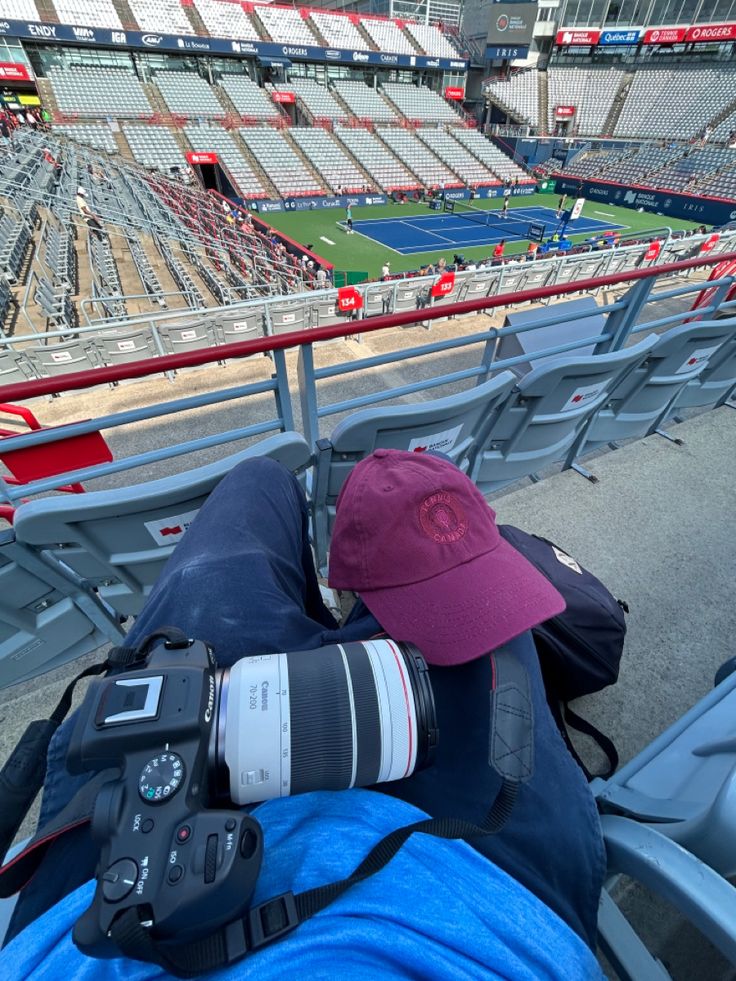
425	233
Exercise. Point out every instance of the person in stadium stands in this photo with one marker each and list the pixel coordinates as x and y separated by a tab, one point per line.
349	219
441	264
93	221
386	270
4	126
498	251
321	278
434	571
531	252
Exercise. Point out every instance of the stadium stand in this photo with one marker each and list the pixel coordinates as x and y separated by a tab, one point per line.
338	31
225	145
154	146
591	90
20	9
95	135
430	170
430	40
491	156
151	15
457	157
187	94
88	13
518	95
364	102
387	36
250	100
286	25
388	173
224	19
318	101
99	92
420	104
284	167
690	171
336	168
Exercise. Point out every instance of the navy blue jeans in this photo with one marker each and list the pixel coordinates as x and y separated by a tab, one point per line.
243	579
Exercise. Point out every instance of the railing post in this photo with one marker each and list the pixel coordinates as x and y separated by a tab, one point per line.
620	323
308	394
489	355
282	394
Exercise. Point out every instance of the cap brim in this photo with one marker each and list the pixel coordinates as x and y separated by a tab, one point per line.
470	610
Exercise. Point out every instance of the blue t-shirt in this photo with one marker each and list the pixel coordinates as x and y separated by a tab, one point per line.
438	911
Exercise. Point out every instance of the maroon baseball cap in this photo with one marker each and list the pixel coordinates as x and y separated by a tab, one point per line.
417	540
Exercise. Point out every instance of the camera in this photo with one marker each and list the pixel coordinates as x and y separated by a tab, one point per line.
191	744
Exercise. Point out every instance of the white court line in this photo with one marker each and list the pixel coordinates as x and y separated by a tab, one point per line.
423	231
606	214
329	241
369	238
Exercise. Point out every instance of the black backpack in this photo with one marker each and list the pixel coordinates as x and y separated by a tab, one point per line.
579	650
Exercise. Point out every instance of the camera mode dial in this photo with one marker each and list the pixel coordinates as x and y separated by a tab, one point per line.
160	778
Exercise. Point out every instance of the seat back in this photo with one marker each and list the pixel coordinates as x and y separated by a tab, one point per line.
234	326
187	337
411	294
642	400
286	317
451	425
60	359
377	299
545	413
119	540
479	284
14	367
45	619
715	382
124	346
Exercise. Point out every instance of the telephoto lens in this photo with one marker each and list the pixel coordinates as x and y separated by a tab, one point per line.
347	715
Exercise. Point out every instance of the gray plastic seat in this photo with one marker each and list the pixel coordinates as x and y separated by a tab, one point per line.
546	412
286	317
240	325
715	383
123	346
64	357
46	620
640	402
187	337
119	540
451	425
14	367
377	299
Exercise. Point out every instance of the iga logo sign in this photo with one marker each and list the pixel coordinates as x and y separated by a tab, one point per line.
152	40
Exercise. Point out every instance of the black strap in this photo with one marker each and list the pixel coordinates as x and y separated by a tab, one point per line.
580	724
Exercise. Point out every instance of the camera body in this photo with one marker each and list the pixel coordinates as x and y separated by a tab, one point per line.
188	867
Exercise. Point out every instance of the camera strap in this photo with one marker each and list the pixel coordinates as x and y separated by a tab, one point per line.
510	754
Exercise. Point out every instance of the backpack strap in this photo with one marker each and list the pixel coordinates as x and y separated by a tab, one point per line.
564	717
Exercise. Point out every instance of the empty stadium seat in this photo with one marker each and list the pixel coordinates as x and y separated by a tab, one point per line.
489	155
388	36
591	90
546	412
158	15
519	95
154	146
338	30
88	13
364	101
431	40
417	102
226	146
336	168
453	425
192	336
96	135
225	19
249	99
285	168
240	325
317	99
455	156
122	345
119	540
417	156
639	402
99	92
187	94
286	25
715	383
63	357
15	367
387	172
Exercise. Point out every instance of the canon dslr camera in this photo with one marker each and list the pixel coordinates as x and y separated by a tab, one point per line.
192	743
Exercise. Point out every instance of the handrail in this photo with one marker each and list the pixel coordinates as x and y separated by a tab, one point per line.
243	349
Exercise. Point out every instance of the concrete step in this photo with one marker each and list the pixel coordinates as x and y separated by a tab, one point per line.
195	19
156	99
543	101
127	18
122	146
619	100
315	30
47	12
48	98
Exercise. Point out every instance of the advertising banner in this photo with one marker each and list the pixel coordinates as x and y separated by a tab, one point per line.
665	35
199	157
711	32
630	36
580	38
499	51
577	209
511	24
456	94
564	112
283	96
10	71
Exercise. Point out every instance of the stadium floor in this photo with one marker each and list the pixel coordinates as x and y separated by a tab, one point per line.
324	229
467	228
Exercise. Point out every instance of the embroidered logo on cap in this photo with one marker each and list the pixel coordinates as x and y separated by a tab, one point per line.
442	518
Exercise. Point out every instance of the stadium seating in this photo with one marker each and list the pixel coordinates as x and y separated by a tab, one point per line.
384	168
491	156
338	31
457	157
225	19
187	94
225	145
590	90
88	13
387	36
429	39
316	99
519	95
159	15
419	103
403	427
418	158
99	92
19	10
687	173
96	135
712	386
364	102
286	25
336	168
285	168
154	146
251	101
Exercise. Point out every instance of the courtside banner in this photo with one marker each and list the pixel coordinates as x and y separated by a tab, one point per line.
665	35
711	32
577	209
580	38
628	37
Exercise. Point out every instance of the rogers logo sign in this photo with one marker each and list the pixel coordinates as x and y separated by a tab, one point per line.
712	32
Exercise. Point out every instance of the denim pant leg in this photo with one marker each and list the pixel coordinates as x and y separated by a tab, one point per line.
242	579
552	841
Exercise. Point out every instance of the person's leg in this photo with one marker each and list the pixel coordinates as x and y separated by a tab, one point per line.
551	842
242	579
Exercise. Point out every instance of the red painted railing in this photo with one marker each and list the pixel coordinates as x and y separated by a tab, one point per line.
260	345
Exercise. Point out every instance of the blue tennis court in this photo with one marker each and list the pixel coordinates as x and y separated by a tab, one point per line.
433	232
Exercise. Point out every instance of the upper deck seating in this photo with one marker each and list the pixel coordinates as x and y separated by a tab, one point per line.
365	102
415	154
19	10
88	13
421	103
286	25
339	31
388	36
154	146
520	94
489	154
336	168
99	92
249	99
225	19
372	155
590	90
187	94
160	15
225	145
317	99
97	135
457	157
283	165
431	40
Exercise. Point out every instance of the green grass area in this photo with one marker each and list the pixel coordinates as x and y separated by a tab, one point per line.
356	252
